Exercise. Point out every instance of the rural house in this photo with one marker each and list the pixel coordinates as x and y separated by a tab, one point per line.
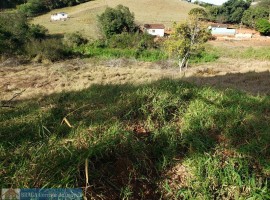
59	16
154	29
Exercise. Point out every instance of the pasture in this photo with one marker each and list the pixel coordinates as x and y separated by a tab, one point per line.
83	17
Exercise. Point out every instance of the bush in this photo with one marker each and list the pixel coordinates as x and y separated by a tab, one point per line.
263	26
132	40
48	49
37	31
13	32
33	7
74	39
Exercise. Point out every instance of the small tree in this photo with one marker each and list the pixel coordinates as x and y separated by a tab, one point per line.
188	38
117	20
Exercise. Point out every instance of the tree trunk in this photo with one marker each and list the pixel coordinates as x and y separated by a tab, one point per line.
183	63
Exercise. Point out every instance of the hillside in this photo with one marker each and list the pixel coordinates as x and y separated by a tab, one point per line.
83	16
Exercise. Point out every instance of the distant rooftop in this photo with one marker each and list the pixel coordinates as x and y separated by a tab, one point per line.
154	26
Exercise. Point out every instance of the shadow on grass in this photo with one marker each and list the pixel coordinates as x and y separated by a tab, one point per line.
129	135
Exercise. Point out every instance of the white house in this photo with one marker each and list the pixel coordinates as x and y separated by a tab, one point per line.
59	16
155	29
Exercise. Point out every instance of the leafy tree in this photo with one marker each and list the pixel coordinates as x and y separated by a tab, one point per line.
188	38
230	12
263	26
251	15
265	4
116	21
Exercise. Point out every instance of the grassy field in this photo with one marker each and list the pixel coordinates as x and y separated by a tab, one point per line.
83	17
166	139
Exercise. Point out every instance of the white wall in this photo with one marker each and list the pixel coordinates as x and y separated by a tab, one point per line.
157	32
59	16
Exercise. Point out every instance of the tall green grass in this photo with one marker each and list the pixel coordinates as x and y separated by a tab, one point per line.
132	135
258	53
145	55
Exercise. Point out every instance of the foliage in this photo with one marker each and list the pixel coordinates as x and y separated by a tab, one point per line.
13	32
263	26
128	45
132	135
188	38
253	14
47	49
116	20
106	52
18	37
230	12
37	31
75	39
132	40
4	4
35	7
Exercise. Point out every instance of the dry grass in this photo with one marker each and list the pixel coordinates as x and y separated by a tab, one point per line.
251	76
75	75
248	75
83	17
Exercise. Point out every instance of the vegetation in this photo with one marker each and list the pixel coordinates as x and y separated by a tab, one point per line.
263	26
188	38
18	37
10	3
116	21
230	12
35	7
131	136
253	14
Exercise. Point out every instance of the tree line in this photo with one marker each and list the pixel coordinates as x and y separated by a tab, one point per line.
241	12
35	7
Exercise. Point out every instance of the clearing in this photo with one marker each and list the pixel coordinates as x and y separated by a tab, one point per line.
83	17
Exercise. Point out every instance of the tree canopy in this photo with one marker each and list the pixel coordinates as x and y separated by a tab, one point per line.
230	12
116	21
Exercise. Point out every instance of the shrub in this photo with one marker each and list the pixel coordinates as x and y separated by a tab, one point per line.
132	40
263	26
74	39
48	49
33	7
37	31
13	32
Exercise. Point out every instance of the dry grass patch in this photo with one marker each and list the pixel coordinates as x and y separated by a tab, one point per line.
74	75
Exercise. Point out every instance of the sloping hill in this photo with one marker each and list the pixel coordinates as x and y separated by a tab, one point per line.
83	17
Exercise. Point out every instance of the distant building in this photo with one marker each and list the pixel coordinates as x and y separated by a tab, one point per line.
154	29
222	30
59	16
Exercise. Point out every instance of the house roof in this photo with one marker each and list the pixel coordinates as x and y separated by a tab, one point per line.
154	26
